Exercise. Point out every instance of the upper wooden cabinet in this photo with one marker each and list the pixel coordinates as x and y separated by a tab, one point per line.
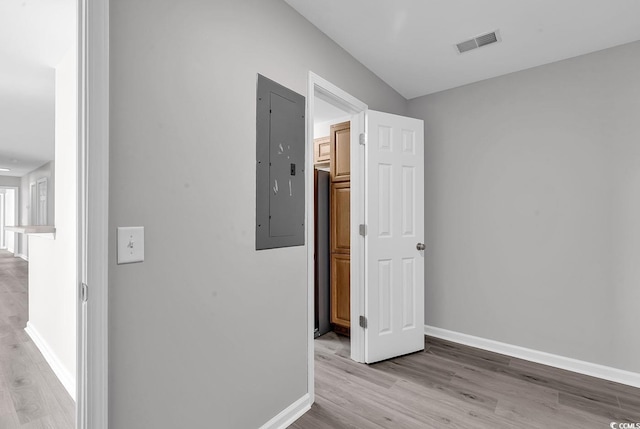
340	202
321	150
340	151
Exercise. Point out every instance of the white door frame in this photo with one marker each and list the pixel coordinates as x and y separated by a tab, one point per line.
331	93
93	209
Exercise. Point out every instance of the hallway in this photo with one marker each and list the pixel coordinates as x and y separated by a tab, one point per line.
30	394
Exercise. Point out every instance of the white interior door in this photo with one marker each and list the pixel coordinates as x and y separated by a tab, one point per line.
394	214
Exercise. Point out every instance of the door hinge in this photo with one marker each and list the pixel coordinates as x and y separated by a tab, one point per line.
84	292
363	230
363	139
363	322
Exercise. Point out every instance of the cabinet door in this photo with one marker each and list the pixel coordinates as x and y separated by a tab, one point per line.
340	217
341	290
321	150
340	152
340	256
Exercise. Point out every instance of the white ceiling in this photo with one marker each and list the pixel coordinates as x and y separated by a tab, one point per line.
410	44
34	36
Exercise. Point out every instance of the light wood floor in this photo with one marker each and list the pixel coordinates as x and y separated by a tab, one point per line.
454	386
31	397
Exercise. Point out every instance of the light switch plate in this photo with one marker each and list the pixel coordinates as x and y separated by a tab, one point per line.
130	244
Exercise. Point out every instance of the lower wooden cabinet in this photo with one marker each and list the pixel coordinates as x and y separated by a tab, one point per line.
340	256
341	290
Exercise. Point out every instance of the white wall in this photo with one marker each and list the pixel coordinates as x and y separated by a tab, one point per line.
26	107
53	262
323	129
44	171
532	183
207	332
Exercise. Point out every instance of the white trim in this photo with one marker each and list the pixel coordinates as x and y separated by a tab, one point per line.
93	221
331	93
357	204
65	377
21	256
290	414
544	358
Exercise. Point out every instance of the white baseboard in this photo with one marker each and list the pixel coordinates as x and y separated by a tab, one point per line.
65	377
569	364
289	414
21	256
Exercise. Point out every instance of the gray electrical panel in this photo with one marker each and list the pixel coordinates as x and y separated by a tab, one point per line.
280	146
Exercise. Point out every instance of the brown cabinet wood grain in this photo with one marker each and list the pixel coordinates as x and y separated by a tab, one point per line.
341	290
340	227
340	217
322	150
340	151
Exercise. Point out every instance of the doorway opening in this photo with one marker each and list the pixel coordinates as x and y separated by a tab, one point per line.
335	178
88	71
374	215
332	190
39	241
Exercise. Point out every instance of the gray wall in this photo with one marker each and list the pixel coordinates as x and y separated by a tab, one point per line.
206	332
532	207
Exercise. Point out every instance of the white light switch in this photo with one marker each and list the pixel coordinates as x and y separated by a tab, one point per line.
130	244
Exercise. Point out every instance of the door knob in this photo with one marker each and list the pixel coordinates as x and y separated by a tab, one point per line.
420	246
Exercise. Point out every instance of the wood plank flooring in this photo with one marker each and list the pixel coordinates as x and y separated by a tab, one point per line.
31	397
454	386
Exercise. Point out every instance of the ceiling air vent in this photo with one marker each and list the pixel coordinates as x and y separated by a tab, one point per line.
479	41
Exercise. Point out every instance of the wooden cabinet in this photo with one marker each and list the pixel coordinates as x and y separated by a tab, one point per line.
340	217
322	150
340	256
334	151
340	137
340	227
340	292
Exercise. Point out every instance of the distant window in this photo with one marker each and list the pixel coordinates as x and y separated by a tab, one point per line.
39	202
33	207
42	201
